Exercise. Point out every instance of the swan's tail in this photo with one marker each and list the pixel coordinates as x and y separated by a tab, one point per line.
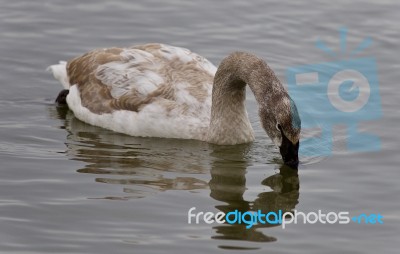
60	73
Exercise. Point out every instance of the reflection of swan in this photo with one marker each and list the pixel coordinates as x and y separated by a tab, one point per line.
228	185
156	90
144	167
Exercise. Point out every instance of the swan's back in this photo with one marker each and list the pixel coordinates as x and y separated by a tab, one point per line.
148	90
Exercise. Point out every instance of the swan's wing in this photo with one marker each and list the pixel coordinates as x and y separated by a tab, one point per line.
131	78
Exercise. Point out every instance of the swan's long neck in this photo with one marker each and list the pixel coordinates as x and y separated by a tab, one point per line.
229	120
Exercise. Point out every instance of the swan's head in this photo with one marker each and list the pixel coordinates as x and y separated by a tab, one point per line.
282	124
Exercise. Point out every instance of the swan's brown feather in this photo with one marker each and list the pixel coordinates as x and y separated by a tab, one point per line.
84	72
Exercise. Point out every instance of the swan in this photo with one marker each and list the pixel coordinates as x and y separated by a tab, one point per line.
158	90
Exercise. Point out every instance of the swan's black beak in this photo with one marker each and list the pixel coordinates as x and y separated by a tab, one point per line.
289	152
290	155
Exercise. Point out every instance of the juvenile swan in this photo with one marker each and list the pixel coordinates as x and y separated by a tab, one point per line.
157	90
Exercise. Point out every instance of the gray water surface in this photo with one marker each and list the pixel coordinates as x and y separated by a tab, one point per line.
68	187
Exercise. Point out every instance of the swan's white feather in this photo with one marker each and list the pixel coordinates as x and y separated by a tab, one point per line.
121	77
138	72
153	121
60	73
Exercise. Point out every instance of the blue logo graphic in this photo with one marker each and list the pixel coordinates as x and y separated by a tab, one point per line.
344	91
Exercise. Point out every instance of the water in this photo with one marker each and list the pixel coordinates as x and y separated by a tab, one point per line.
67	187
